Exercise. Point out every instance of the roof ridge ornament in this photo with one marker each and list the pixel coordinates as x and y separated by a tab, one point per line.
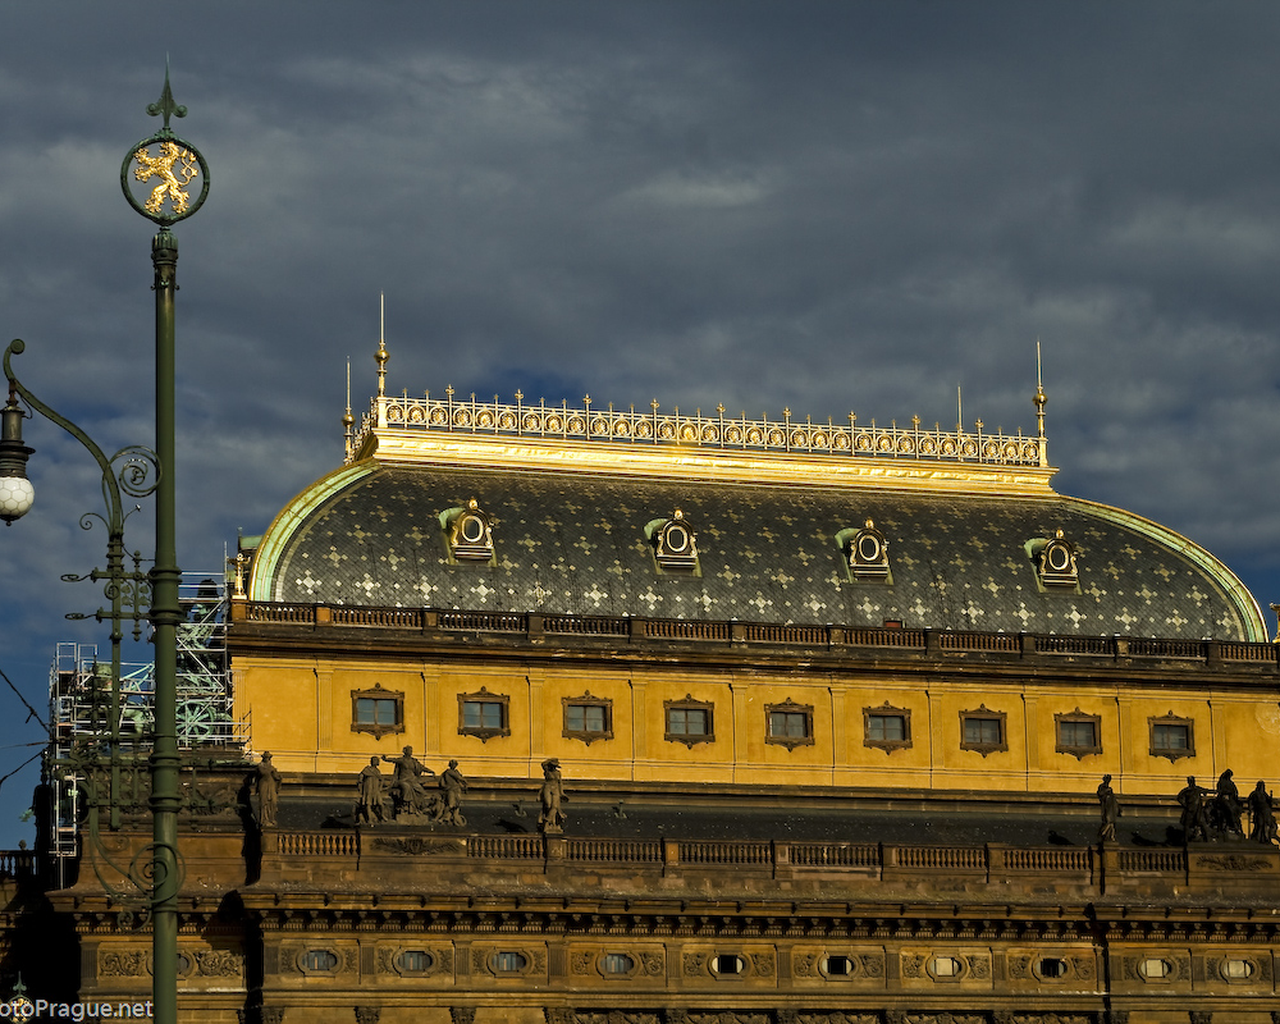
591	424
382	355
1040	399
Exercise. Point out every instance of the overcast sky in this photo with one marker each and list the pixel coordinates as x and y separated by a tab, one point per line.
822	206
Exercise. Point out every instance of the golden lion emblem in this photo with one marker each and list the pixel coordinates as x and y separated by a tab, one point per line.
171	181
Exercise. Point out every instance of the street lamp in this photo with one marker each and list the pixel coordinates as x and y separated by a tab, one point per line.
178	166
16	493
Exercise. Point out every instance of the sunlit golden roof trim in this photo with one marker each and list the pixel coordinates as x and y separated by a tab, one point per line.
425	448
637	431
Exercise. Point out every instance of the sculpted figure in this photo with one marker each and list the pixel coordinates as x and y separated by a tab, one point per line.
369	807
1110	810
406	784
1263	812
452	786
1227	806
551	820
1193	820
266	784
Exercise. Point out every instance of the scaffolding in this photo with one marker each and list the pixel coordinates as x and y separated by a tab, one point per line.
80	702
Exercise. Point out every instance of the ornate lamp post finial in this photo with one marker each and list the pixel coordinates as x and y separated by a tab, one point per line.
165	105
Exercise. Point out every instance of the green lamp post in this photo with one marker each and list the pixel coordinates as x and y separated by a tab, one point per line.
177	165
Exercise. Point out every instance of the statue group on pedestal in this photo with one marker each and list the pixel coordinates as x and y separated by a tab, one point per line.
1207	815
410	799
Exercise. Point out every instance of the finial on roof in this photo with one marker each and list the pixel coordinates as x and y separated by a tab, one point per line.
348	421
1040	399
382	355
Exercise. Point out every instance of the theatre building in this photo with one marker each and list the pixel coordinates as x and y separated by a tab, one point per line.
756	721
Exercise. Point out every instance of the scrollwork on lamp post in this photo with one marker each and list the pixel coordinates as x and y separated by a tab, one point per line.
134	471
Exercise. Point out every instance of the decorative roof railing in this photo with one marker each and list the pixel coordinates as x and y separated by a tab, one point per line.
442	622
717	431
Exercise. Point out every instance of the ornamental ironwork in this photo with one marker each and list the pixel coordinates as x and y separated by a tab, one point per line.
712	431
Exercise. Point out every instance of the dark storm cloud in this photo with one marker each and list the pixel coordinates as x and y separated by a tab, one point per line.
826	207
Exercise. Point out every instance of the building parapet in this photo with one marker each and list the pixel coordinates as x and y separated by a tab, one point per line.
1105	868
445	622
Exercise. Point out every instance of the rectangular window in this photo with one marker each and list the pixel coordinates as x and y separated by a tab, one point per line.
688	722
886	727
1172	737
789	724
377	711
588	718
584	718
1079	734
983	730
483	715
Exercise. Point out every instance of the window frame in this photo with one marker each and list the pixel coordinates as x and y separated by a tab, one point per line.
958	967
789	708
378	730
1077	717
405	970
851	964
742	961
307	966
484	697
689	703
498	957
984	747
613	958
587	736
886	710
1171	720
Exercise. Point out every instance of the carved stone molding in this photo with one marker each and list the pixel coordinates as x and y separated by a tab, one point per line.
123	963
417	846
367	1014
218	963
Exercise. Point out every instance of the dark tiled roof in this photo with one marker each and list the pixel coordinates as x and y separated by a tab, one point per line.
575	544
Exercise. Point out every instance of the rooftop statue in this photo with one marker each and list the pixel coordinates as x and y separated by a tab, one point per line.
551	820
266	784
369	805
408	795
1110	810
452	786
1261	807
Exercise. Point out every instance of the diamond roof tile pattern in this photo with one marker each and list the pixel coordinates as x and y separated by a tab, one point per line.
577	545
